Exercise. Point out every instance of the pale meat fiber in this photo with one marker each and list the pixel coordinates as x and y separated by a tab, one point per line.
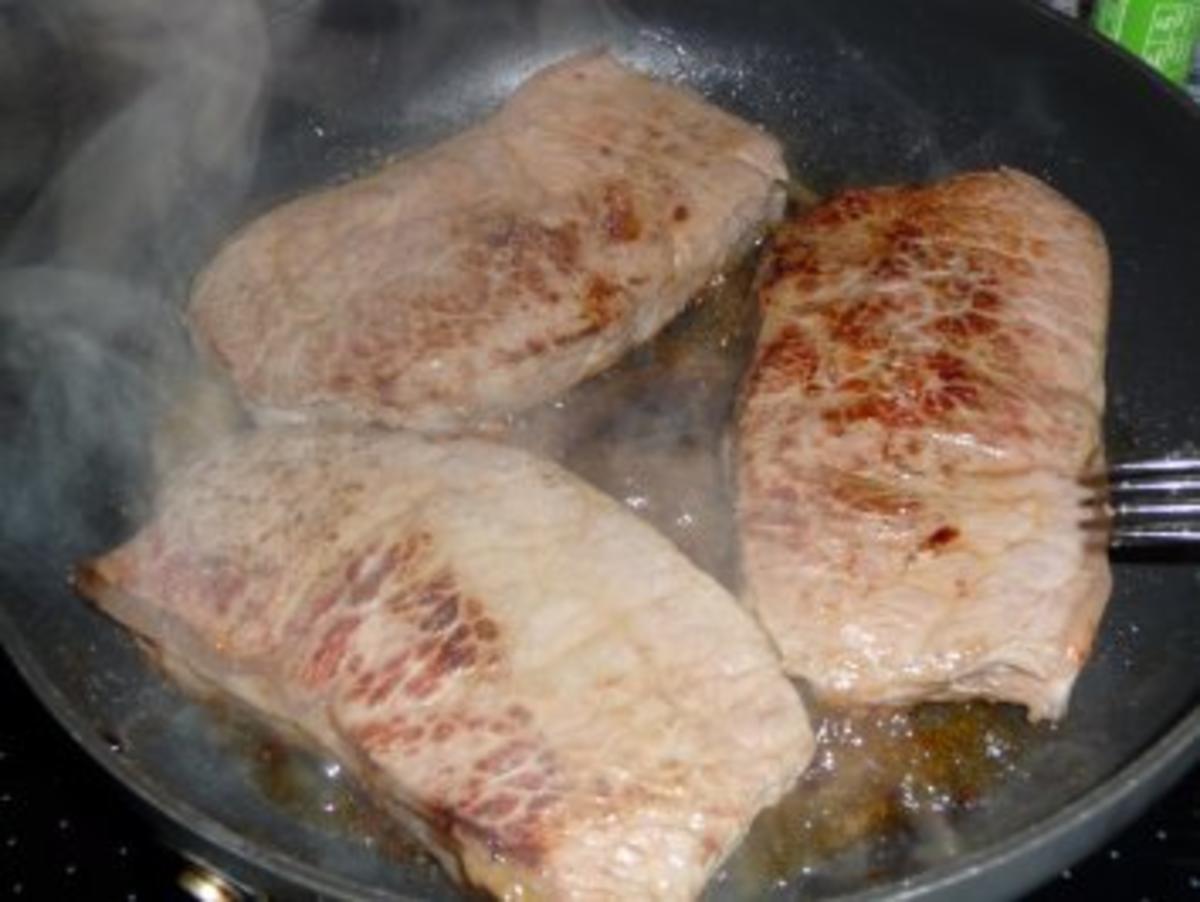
925	393
498	268
571	708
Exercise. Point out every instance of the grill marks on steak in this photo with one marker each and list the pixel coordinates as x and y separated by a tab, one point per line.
572	707
925	392
498	268
385	649
906	325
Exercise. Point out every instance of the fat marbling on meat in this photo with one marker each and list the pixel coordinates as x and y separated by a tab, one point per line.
570	707
499	267
925	393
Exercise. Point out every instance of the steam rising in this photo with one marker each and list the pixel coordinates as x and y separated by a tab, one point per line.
151	115
155	146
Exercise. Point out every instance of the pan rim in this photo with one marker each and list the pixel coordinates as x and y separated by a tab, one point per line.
1134	65
1116	800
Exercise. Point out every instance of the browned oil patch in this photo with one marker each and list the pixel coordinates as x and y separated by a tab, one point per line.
313	791
877	780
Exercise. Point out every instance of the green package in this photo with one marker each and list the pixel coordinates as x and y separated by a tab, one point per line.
1162	32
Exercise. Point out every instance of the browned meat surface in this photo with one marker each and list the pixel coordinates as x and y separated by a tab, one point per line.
571	708
926	389
498	268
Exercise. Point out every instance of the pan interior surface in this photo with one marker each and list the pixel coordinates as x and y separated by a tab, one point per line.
861	93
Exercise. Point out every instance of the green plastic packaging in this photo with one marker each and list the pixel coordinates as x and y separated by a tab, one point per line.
1162	32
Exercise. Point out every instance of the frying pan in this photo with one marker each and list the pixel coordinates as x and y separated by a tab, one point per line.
860	92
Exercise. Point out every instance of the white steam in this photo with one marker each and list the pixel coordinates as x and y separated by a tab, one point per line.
150	117
184	136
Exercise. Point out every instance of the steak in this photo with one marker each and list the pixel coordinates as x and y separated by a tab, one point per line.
925	393
498	268
568	706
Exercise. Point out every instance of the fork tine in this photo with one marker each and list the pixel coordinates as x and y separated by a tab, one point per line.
1151	484
1160	509
1163	465
1126	537
1146	502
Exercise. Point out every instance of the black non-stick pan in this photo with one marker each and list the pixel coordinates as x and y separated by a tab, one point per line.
136	135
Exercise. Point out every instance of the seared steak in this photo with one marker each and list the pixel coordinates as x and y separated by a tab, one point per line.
925	393
498	268
572	708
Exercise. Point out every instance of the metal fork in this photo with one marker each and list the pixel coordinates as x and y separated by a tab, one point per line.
1149	502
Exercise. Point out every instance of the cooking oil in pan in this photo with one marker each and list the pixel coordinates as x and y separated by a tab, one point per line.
311	789
885	794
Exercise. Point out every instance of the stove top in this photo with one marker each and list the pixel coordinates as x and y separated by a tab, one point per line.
67	830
